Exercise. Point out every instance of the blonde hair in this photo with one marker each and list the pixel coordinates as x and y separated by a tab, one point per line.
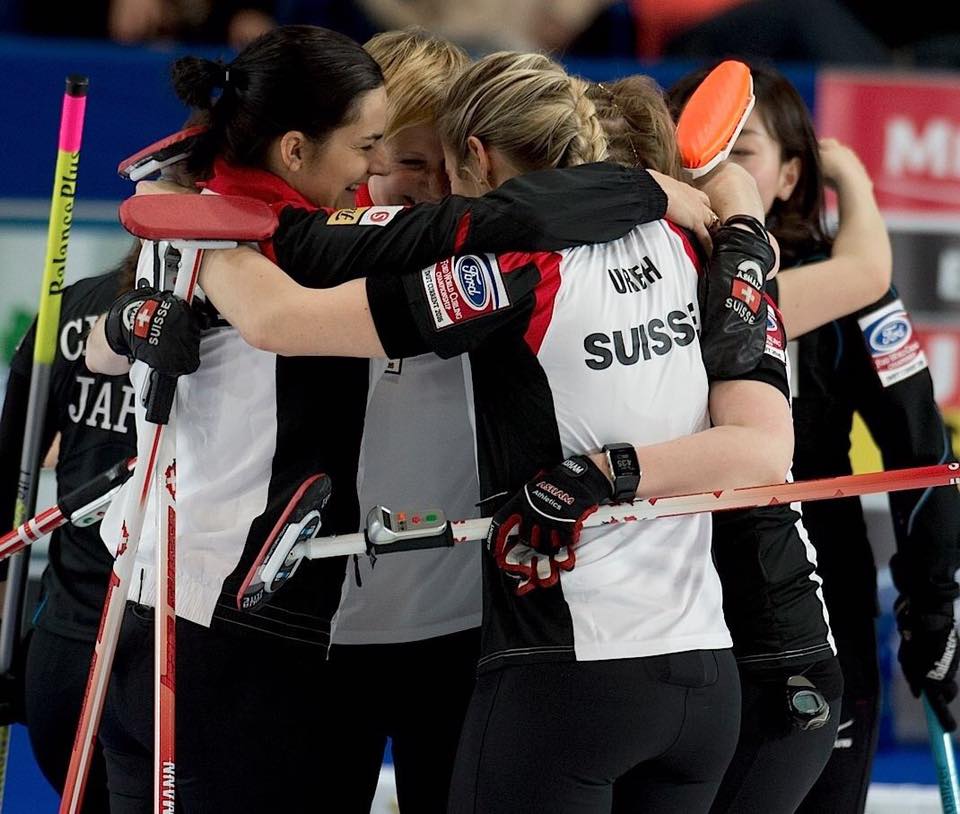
527	107
637	121
418	68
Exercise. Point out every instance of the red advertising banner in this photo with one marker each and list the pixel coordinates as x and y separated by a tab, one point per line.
941	344
905	128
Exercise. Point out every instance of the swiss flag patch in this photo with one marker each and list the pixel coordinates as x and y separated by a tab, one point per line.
143	318
747	294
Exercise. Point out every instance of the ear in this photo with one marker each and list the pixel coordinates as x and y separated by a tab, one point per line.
292	150
789	176
481	155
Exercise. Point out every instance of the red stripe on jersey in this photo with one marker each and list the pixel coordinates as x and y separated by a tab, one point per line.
545	293
771	304
463	229
687	246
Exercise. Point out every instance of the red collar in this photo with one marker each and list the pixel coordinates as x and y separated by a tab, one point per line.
229	179
362	197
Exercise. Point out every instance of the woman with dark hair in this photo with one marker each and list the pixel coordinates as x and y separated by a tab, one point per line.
93	415
295	119
854	354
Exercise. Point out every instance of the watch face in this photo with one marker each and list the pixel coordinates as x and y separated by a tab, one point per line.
807	703
624	462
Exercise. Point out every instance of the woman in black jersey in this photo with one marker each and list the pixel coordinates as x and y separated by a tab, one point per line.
93	414
864	358
772	601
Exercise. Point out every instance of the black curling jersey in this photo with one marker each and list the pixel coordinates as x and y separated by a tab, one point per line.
772	592
871	362
94	415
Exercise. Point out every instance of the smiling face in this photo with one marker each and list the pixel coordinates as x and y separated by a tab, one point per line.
324	171
415	169
760	154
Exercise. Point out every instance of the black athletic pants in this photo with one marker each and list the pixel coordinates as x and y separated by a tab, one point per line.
251	733
843	784
776	762
416	693
650	735
55	679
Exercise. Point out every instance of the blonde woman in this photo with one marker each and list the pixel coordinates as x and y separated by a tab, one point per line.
619	669
418	614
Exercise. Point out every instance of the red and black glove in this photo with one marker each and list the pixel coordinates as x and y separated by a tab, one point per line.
929	654
548	513
155	327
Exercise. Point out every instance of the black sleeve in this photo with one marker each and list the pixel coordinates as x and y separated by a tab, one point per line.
732	306
13	419
772	290
893	392
453	306
772	366
540	211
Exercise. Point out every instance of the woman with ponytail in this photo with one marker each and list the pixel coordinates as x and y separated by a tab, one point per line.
772	598
610	685
294	120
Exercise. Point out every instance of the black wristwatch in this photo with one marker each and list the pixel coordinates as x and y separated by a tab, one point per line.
624	470
806	704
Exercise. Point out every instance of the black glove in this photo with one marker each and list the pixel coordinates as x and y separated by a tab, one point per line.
155	327
549	510
733	312
928	654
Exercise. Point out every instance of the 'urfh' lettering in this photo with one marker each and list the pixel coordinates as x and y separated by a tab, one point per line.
635	278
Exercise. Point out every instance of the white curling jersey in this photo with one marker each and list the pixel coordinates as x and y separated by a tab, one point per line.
569	351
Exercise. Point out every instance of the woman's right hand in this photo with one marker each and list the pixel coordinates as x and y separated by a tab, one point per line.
840	165
688	207
732	191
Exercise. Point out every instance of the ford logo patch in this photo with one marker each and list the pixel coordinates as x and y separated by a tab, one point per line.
471	276
890	333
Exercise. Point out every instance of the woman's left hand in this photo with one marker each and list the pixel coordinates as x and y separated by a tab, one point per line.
548	513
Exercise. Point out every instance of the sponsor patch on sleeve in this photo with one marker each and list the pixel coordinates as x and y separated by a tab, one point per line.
346	217
463	288
892	343
379	215
776	342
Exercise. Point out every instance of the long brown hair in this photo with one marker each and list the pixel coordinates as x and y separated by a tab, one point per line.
798	222
638	125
